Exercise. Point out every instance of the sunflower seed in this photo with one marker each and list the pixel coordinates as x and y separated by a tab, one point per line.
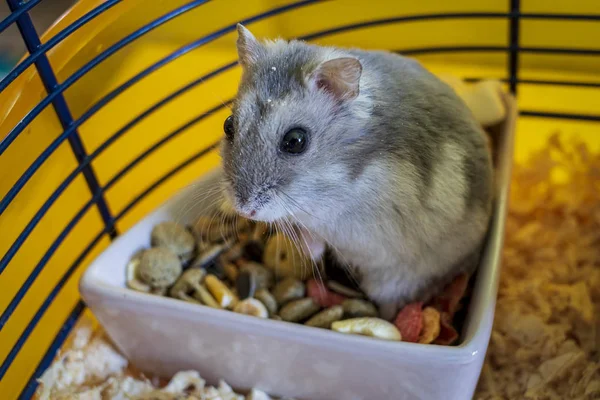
245	284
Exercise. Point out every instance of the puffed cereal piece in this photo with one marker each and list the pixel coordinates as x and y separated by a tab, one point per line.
159	267
431	325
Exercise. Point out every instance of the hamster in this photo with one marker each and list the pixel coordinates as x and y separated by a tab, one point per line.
367	153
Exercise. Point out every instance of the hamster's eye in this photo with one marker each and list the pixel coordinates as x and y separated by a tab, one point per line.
228	127
294	141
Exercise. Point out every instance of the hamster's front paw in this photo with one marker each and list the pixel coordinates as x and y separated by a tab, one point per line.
311	244
388	310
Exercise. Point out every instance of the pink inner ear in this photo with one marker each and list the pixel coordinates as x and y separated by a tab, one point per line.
329	86
323	84
339	77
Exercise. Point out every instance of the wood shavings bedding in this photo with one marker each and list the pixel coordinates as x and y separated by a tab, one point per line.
545	342
93	370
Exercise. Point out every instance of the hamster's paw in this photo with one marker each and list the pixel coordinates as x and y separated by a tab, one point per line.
388	310
311	244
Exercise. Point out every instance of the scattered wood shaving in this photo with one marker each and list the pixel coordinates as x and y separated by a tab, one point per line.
92	369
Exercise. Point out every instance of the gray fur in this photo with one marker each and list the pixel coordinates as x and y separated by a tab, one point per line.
397	181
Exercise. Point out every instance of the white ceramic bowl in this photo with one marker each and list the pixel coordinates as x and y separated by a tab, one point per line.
162	335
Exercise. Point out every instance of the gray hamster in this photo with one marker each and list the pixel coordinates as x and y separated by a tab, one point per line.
366	152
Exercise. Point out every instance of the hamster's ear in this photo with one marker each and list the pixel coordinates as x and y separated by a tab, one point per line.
249	49
340	77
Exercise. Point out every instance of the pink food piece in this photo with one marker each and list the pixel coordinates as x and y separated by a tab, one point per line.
409	322
322	295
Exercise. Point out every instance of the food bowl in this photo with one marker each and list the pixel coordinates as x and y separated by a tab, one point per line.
161	335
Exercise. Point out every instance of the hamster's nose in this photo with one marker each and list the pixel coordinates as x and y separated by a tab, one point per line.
248	213
244	208
250	200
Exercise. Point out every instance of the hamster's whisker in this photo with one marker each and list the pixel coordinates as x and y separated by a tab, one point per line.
294	242
299	222
190	202
235	225
287	231
222	225
350	274
297	238
278	243
199	197
213	214
345	265
297	205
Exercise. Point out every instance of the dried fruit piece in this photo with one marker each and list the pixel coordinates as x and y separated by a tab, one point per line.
297	310
355	308
325	318
322	295
251	307
409	321
374	327
448	334
448	301
225	297
174	237
431	325
288	289
159	267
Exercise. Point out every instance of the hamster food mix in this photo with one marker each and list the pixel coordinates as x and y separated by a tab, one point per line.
243	266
